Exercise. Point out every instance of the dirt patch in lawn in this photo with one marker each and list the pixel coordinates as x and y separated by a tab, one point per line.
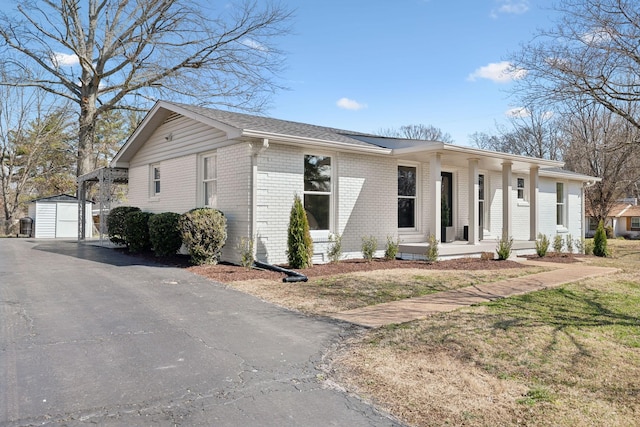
227	273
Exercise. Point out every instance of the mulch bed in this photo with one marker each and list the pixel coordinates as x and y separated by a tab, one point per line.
557	258
226	273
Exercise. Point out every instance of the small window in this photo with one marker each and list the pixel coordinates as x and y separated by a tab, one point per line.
520	188
593	223
560	211
317	191
155	180
209	181
635	223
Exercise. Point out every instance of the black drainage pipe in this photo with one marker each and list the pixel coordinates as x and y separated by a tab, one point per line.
292	276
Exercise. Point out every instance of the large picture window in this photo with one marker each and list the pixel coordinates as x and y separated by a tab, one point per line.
560	211
317	191
209	181
406	197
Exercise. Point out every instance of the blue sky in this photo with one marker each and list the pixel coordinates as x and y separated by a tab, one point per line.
364	65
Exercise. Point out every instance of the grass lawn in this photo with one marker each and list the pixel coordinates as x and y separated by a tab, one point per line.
567	356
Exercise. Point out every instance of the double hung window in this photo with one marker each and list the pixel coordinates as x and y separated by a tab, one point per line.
407	196
317	191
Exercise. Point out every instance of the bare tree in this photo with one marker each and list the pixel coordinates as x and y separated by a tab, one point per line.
418	132
600	143
35	152
109	54
591	53
530	133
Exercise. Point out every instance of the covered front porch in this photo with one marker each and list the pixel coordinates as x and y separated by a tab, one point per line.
462	249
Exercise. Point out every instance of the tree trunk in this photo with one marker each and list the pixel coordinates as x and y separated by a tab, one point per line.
87	131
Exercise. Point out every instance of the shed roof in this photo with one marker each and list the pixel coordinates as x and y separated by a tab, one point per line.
56	198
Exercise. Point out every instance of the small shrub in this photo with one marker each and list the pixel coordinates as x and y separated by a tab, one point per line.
369	247
136	230
569	243
486	256
392	248
115	224
164	233
504	248
433	252
558	243
580	245
600	241
299	242
245	247
588	247
542	245
609	231
334	251
204	233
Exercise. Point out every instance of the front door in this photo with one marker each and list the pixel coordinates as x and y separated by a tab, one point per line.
446	207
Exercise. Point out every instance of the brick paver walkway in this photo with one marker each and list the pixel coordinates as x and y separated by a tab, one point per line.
417	308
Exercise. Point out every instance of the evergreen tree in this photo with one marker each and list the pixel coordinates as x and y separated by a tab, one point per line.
299	243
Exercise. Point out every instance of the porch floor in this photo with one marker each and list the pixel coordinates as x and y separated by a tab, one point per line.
462	248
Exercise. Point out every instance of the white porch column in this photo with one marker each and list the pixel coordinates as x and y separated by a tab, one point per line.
473	201
533	202
435	180
506	200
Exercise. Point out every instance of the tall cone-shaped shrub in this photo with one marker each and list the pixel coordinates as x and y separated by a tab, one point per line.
600	241
299	243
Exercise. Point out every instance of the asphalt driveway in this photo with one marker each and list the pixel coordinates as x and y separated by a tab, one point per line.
91	336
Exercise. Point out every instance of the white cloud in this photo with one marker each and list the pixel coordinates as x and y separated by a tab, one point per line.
499	72
64	60
511	7
252	44
522	112
350	104
518	112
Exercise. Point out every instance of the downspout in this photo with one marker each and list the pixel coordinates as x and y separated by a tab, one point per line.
256	151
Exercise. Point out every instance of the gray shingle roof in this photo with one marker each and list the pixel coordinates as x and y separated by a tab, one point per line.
248	122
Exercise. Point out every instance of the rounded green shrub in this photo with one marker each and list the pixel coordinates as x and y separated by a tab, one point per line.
116	224
204	233
164	233
299	243
136	230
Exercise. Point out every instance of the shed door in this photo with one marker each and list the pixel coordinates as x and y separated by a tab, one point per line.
67	220
45	220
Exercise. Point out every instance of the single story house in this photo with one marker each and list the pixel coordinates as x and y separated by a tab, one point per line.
353	184
57	217
623	218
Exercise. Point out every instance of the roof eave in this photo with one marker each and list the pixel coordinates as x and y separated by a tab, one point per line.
475	153
320	143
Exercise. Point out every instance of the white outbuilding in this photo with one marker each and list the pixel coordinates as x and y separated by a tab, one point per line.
57	217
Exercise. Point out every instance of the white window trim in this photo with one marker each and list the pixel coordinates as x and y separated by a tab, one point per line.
320	236
201	193
637	226
562	228
418	199
524	200
152	181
